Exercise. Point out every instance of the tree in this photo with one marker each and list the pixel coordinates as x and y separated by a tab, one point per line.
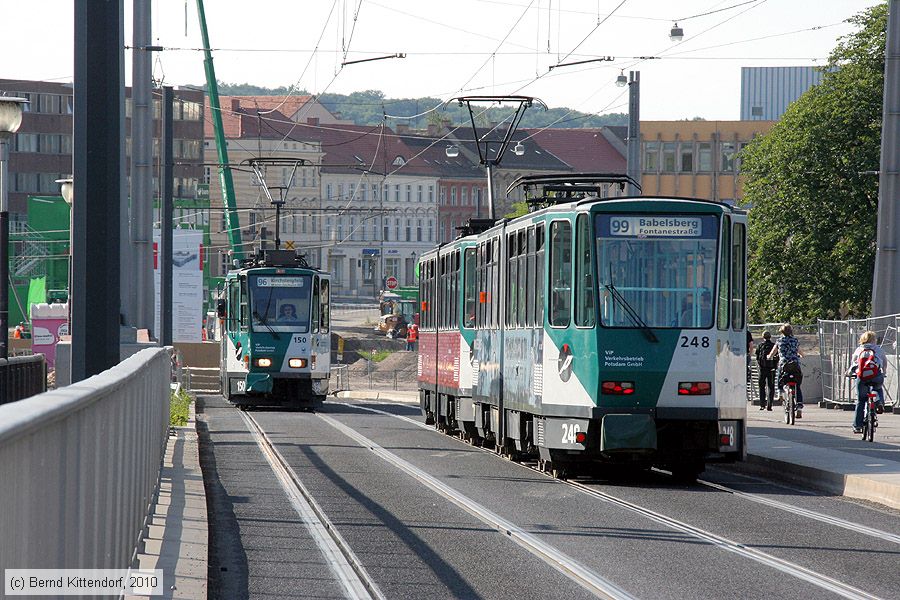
814	202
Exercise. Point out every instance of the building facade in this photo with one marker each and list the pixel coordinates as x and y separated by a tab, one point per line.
698	159
766	92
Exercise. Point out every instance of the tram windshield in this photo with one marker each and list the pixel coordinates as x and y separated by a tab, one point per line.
280	302
656	269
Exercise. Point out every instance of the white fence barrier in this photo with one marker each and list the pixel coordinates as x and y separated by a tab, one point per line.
79	466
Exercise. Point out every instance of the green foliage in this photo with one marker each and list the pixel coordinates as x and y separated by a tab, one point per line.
814	209
370	106
517	209
179	406
379	355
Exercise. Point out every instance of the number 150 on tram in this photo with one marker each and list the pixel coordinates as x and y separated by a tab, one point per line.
590	331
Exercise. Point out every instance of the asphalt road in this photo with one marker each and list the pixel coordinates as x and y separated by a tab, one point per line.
647	536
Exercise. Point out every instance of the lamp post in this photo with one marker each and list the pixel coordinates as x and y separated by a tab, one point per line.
10	119
67	190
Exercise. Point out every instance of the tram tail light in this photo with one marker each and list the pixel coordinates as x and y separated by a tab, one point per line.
264	362
297	363
694	388
724	439
580	437
623	388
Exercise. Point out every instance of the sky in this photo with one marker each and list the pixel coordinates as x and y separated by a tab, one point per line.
464	47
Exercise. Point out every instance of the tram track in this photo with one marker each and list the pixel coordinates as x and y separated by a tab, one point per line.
790	568
347	567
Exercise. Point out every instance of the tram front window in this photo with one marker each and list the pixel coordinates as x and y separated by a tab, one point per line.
280	302
662	266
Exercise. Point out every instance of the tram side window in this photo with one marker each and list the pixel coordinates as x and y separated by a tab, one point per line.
469	288
724	264
560	273
512	270
738	276
522	285
324	310
539	276
245	306
495	283
234	305
314	319
456	270
529	281
584	280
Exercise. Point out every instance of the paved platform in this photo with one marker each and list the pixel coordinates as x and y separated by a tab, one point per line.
176	537
820	451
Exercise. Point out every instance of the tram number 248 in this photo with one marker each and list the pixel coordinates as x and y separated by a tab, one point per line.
569	431
694	342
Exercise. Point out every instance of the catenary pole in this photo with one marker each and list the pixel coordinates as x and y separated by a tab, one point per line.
633	167
166	235
97	167
886	284
139	285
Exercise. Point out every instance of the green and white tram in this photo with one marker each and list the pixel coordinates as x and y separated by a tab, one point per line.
275	332
610	330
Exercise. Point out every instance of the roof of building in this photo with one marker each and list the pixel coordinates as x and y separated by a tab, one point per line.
585	150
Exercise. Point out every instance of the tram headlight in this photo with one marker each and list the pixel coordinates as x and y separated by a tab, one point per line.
624	388
694	388
297	363
264	362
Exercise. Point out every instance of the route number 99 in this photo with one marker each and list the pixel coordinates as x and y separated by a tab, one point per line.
619	225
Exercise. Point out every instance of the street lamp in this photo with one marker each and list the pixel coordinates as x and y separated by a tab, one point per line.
10	119
676	34
67	190
452	151
621	80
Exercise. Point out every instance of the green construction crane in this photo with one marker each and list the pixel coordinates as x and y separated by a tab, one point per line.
232	225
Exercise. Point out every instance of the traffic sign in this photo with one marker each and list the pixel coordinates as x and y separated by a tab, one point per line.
392	283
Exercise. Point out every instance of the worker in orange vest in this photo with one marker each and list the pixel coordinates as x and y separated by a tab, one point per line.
19	333
412	336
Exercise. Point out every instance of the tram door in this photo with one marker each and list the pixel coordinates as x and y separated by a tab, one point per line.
731	362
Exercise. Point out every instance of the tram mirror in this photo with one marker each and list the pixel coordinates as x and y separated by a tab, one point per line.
220	309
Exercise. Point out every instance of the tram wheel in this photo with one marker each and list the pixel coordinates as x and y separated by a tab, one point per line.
687	472
558	472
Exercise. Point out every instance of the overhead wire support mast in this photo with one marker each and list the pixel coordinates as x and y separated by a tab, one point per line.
524	102
232	223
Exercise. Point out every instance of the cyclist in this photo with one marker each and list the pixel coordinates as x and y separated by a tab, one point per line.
787	349
867	341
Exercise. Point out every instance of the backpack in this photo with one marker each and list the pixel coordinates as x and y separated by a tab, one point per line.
868	366
762	353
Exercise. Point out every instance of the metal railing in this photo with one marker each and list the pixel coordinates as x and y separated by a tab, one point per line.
79	466
838	340
21	377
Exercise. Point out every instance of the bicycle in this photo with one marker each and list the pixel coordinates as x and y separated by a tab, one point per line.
790	399
870	416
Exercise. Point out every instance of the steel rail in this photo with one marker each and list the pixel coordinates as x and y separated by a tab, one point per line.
349	570
563	563
810	514
823	581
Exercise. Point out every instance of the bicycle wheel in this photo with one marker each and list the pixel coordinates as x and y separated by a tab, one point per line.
793	412
788	405
870	422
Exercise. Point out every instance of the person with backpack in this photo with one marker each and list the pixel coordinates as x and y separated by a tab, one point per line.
767	368
870	365
787	348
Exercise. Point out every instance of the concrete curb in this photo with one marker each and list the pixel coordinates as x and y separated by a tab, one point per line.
391	396
177	536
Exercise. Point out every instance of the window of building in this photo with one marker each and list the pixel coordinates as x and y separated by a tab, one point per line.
463	195
408	192
443	195
430	230
419	194
453	195
396	192
651	157
409	230
728	156
430	194
756	111
328	191
687	157
418	230
668	157
704	157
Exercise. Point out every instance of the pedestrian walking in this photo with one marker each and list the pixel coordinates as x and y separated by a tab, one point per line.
767	368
